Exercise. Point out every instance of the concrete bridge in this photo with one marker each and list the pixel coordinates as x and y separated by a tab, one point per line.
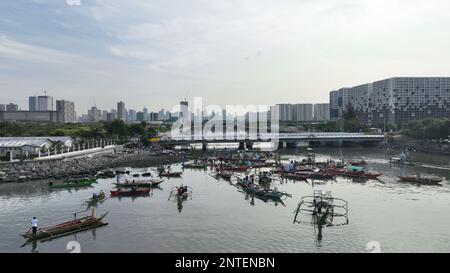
284	139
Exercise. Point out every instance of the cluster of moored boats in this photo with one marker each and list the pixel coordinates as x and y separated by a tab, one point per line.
252	172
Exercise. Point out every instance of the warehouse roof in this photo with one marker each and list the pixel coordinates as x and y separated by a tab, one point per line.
17	142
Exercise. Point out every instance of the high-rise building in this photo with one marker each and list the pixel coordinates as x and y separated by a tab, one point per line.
2	107
33	103
45	103
11	107
184	108
321	111
66	111
302	112
132	115
94	114
395	100
121	111
284	111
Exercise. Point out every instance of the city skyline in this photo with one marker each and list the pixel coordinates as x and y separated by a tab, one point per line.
101	52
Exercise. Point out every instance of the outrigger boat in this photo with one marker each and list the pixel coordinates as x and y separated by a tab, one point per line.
67	228
139	184
354	172
132	192
323	207
95	199
261	192
171	174
73	184
403	159
195	165
162	172
358	162
421	180
181	193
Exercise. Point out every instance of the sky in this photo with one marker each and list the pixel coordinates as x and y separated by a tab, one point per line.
156	52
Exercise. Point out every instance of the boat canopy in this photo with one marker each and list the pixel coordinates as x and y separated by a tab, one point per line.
356	168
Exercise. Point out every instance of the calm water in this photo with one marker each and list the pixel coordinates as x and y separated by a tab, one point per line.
219	218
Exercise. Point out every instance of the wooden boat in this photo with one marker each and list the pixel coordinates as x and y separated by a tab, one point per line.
146	174
132	192
170	174
139	184
358	162
358	174
421	180
317	175
234	168
73	184
181	193
295	176
195	166
94	200
224	175
67	228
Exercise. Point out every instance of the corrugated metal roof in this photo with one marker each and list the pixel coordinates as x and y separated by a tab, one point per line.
17	142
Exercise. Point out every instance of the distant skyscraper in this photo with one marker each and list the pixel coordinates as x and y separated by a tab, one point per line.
66	111
121	112
12	107
302	112
321	111
184	108
94	114
45	103
132	115
2	107
32	103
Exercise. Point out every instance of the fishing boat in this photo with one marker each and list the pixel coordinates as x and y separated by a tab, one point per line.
195	165
224	175
317	175
180	193
170	174
421	180
73	184
358	162
232	168
95	199
139	184
354	172
295	176
132	192
67	228
323	208
403	159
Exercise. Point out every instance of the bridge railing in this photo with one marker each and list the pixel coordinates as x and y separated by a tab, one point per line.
270	136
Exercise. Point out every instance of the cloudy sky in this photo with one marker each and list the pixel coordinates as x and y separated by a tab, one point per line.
156	52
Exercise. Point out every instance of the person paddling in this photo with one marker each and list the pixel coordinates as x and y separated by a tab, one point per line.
34	225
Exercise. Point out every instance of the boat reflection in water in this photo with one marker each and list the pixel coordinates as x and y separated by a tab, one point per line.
323	210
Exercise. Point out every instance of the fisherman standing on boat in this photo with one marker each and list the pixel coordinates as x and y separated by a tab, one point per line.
34	225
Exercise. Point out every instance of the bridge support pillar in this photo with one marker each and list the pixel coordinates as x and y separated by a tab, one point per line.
241	145
249	145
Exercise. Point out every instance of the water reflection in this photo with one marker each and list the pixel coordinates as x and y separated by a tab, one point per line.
219	206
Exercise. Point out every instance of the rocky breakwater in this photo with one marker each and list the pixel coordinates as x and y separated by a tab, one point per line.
80	167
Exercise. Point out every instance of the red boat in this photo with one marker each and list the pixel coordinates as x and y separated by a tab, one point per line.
355	174
234	168
133	192
361	162
295	176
